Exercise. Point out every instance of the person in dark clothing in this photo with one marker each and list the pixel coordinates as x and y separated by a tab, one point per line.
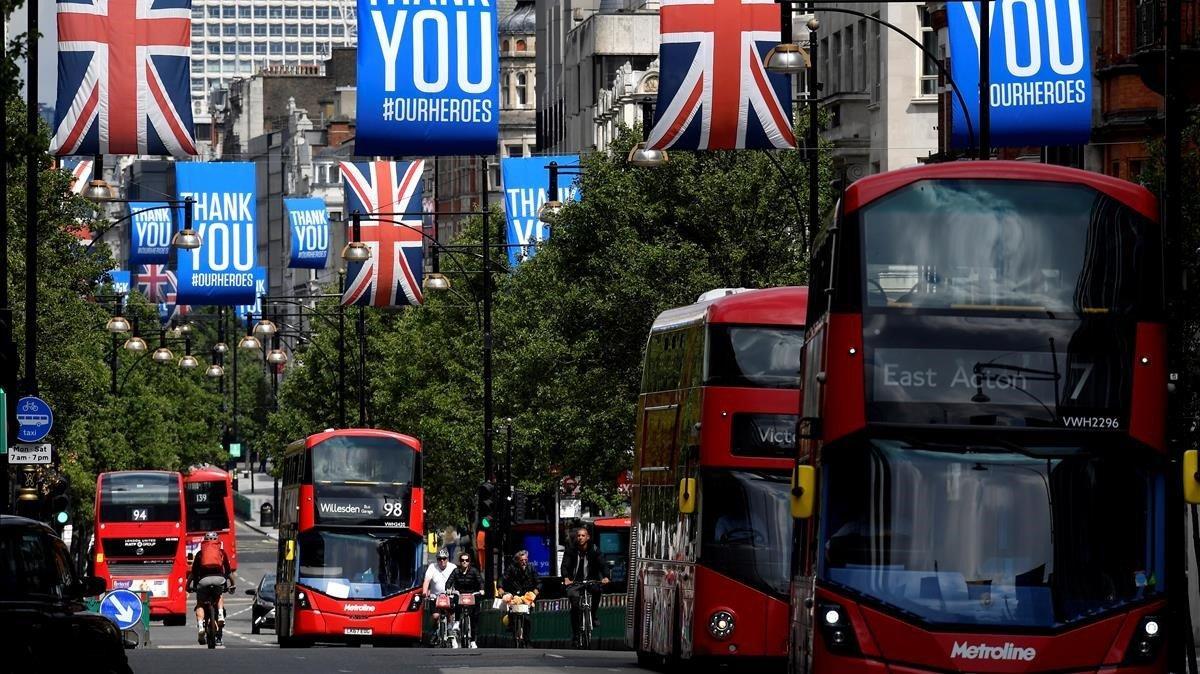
465	580
581	562
520	585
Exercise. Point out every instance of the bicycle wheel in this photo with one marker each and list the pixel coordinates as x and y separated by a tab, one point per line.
518	626
210	631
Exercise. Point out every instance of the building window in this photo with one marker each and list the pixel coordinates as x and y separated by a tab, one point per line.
276	30
260	49
929	71
260	30
826	66
339	31
291	30
291	48
229	12
322	49
335	12
214	12
197	12
244	48
244	29
322	12
275	12
1115	171
1135	168
276	48
306	12
521	90
876	61
835	64
306	49
291	12
505	81
198	46
229	30
504	45
197	29
514	151
260	12
306	30
852	59
245	12
860	66
521	45
214	48
322	30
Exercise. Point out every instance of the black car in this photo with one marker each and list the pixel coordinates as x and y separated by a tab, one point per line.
42	614
262	612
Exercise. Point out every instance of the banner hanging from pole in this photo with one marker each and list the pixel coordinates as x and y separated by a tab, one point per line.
150	232
525	180
309	222
221	270
428	79
1040	76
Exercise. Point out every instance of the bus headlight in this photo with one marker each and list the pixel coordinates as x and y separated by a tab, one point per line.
836	629
302	600
720	625
1146	641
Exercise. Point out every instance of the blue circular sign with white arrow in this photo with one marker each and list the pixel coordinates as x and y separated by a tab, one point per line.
34	419
122	607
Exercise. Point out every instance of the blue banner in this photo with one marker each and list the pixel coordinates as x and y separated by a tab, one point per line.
525	181
150	232
224	214
310	232
1041	72
260	290
120	280
428	79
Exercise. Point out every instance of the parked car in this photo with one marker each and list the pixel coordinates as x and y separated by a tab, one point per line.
262	612
42	616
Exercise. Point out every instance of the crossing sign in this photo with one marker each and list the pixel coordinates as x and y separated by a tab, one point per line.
122	607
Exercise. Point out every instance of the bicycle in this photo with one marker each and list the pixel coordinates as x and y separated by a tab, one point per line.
207	599
518	620
585	608
466	628
444	607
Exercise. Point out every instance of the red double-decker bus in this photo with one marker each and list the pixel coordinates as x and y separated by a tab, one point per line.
208	500
984	421
711	535
139	538
351	538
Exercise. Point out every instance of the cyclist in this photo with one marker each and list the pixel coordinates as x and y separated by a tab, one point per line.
465	580
581	562
521	579
435	580
210	573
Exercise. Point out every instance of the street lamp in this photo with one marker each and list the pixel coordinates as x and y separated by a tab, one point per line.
98	190
550	210
277	356
117	325
221	348
642	154
436	282
135	344
162	355
355	250
188	362
215	371
264	328
250	343
787	58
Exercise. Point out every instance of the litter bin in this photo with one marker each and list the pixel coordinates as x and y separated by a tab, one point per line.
266	515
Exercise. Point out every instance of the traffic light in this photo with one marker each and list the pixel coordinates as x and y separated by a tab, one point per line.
58	511
487	505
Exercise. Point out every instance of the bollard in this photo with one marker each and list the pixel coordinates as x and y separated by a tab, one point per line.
266	515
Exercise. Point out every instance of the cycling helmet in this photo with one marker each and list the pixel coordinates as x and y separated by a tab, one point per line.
443	554
212	536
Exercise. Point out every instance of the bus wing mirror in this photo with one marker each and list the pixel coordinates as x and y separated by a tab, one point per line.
804	481
1191	476
687	495
290	553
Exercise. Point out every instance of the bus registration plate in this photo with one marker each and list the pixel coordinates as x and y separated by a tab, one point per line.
358	631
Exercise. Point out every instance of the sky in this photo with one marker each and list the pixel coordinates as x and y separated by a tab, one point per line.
47	47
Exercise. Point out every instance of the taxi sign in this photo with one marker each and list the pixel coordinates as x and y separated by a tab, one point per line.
34	419
122	607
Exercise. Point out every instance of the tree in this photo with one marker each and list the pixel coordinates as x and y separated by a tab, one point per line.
570	324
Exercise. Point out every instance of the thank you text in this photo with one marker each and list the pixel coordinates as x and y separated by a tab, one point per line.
525	181
150	232
428	77
309	223
224	214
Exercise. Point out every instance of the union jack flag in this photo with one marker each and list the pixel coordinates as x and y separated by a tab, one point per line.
392	277
155	281
124	78
81	173
167	309
714	91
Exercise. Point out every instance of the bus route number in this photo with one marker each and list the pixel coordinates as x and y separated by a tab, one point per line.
140	515
393	509
201	498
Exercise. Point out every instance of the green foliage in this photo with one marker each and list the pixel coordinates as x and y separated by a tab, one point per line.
570	324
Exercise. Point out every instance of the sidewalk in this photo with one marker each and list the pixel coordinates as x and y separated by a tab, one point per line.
247	502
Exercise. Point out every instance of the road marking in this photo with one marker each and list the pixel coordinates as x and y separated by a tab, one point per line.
555	655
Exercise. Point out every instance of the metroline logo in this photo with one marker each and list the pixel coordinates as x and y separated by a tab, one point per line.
368	608
1009	651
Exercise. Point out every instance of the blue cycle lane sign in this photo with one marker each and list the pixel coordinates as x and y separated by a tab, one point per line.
122	607
34	419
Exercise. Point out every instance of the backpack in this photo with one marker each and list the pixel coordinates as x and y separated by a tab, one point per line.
210	559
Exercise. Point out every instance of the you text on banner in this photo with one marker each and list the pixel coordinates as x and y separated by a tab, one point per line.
224	214
428	78
309	222
525	181
150	232
1041	71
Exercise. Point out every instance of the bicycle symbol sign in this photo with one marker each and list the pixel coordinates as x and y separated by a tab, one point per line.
34	419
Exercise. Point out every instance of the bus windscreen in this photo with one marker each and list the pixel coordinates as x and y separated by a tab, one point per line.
206	505
363	459
139	497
